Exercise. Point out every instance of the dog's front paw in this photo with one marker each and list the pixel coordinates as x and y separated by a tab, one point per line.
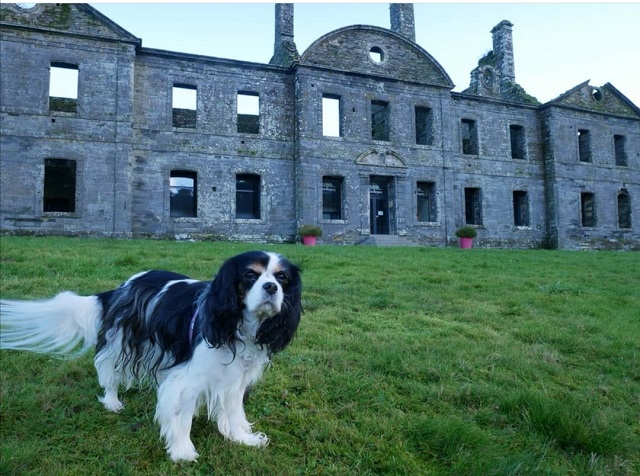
183	454
112	404
256	439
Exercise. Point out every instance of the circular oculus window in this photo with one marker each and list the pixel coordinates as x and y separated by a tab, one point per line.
597	94
25	7
376	54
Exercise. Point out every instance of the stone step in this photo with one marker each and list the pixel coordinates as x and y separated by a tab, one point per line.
387	240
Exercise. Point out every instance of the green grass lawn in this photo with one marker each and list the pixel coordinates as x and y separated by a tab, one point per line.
408	361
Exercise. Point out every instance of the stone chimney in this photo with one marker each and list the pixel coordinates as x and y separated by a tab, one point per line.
402	20
503	51
285	52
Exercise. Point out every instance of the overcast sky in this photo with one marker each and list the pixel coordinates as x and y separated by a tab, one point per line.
556	45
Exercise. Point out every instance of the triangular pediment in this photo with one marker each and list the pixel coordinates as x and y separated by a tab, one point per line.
605	99
72	18
387	158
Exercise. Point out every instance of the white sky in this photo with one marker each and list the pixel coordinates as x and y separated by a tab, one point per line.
556	45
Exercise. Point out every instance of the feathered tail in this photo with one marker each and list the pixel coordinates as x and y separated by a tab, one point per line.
66	325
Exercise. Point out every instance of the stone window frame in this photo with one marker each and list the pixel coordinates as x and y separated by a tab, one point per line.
343	201
431	124
260	116
433	204
261	197
624	217
387	129
620	154
189	84
66	63
524	196
475	136
518	151
584	146
340	99
185	172
25	8
79	187
376	49
588	210
477	211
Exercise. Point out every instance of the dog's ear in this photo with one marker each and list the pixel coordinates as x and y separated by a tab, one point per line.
277	332
221	310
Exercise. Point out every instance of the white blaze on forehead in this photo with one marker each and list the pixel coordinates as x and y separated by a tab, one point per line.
274	263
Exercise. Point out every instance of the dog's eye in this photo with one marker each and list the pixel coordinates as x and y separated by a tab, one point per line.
251	275
282	277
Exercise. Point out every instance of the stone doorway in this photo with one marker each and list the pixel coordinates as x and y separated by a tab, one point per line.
381	210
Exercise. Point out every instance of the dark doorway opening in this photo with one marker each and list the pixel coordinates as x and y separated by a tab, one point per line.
380	212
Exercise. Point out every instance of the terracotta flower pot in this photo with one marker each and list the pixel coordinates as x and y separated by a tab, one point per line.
309	240
466	243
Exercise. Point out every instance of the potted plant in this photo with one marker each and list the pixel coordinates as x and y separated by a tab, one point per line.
466	235
309	234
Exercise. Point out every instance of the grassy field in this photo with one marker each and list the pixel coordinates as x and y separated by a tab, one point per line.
408	361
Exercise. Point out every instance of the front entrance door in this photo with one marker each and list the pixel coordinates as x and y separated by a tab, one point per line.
379	204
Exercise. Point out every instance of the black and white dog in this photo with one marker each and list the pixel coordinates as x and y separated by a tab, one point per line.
201	342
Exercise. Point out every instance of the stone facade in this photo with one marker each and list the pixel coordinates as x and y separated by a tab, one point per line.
399	155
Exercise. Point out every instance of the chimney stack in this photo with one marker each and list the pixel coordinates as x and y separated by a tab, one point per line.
503	50
402	20
285	52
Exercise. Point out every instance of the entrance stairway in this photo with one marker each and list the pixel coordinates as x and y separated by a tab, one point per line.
387	240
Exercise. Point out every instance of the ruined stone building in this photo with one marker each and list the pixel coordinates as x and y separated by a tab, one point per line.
360	134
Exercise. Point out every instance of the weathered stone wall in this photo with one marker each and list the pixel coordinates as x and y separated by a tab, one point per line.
98	136
125	143
214	149
495	173
568	177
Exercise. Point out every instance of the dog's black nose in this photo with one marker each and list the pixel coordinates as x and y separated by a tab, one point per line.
271	288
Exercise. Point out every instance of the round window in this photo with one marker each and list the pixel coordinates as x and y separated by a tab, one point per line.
597	94
376	54
26	6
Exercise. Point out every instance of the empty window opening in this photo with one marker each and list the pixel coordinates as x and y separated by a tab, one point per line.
424	125
183	187
376	54
584	145
248	112
588	209
331	126
248	196
332	198
63	87
426	202
597	94
520	208
469	137
516	134
184	103
624	209
59	185
379	120
473	206
620	150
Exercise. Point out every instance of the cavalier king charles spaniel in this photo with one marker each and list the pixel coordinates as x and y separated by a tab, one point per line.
203	343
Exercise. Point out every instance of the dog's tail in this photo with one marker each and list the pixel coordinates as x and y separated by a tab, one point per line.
66	325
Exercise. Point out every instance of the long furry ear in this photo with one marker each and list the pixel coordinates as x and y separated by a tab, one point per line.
277	332
221	309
